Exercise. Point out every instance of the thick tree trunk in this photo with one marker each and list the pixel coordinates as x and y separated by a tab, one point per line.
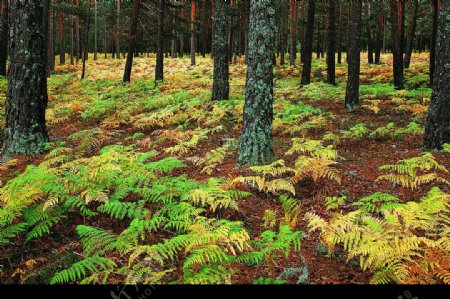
3	36
193	48
221	85
339	42
159	69
132	41
379	33
354	58
411	35
369	35
307	55
293	30
86	38
434	27
62	39
49	38
255	145
25	132
437	128
396	45
331	47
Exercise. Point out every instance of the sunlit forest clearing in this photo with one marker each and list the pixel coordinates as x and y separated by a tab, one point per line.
150	171
225	142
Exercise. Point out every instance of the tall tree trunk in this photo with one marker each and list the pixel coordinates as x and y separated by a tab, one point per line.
50	40
85	46
213	9
302	32
396	44
3	36
339	42
434	27
118	29
95	29
72	61
132	41
193	13
437	128
77	33
318	41
331	47
411	35
174	38
369	34
221	84
204	31
25	131
307	59
283	37
159	70
255	144
293	29
379	33
62	39
354	58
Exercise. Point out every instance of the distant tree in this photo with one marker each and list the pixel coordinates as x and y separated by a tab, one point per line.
331	47
193	14
307	55
434	26
397	44
369	33
25	132
49	38
379	32
437	128
293	10
62	38
3	36
117	33
95	30
132	41
411	35
255	145
221	84
339	41
353	57
159	69
86	39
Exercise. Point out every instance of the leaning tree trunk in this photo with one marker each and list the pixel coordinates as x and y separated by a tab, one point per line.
132	41
25	132
3	36
307	59
379	33
396	45
159	69
437	128
411	34
221	84
331	47
434	27
255	145
354	58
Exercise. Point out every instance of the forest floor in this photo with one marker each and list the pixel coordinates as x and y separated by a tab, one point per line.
107	112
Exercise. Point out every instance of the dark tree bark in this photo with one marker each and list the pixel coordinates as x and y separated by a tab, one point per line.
132	41
283	35
85	46
434	27
159	69
379	33
95	30
255	145
221	84
302	32
307	59
353	57
411	35
369	35
117	40
293	30
50	40
72	61
396	45
437	128
25	131
331	47
62	39
77	34
339	42
193	48
3	36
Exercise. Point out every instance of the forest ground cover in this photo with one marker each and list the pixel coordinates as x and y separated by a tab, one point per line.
104	131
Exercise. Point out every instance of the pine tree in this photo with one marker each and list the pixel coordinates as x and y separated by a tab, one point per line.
307	55
3	36
397	44
132	41
221	84
255	146
331	47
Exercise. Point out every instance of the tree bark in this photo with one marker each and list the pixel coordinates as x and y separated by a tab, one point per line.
62	39
3	36
85	46
331	47
396	45
307	59
25	131
411	35
118	29
159	69
293	30
434	27
369	35
193	48
339	42
354	58
132	41
221	85
77	34
255	145
437	128
49	38
379	33
95	30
